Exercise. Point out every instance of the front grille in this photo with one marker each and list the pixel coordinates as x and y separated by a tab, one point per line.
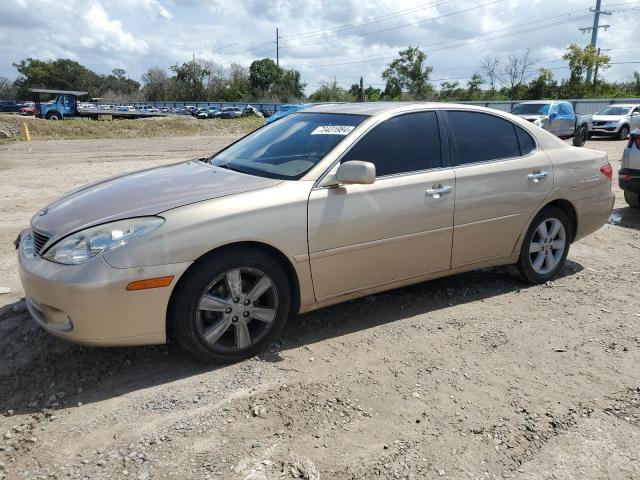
598	123
39	240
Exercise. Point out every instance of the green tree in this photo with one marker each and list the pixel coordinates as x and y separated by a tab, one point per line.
61	74
409	73
473	86
263	76
190	78
330	92
580	60
544	86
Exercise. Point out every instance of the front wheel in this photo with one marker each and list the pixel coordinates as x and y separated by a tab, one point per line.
623	133
581	136
230	307
545	246
54	116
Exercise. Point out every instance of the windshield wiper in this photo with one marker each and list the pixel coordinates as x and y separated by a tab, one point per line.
229	168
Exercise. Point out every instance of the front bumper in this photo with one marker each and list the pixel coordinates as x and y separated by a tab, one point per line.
629	180
607	129
88	303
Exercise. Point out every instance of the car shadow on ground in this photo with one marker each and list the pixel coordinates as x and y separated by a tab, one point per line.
39	371
627	217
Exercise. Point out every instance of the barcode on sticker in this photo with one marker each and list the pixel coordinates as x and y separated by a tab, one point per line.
333	130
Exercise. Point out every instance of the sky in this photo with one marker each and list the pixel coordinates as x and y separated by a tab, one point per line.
324	40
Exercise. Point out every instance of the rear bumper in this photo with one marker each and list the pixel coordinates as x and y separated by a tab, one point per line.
593	212
89	304
629	180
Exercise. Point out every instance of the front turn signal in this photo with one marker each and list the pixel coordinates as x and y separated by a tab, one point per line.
150	283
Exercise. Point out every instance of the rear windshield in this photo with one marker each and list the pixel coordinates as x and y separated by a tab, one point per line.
614	111
531	109
289	147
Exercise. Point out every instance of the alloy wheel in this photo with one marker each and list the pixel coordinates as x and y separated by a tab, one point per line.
237	309
547	246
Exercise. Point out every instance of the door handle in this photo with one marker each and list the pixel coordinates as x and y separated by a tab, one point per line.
537	176
439	190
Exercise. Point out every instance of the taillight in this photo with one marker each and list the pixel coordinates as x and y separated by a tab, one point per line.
634	139
607	171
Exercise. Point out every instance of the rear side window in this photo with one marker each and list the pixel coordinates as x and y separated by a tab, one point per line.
527	145
406	143
480	137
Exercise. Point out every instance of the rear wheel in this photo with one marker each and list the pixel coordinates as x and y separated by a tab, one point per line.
632	198
623	133
545	246
230	307
581	136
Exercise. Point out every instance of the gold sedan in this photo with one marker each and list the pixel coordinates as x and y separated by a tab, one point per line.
321	206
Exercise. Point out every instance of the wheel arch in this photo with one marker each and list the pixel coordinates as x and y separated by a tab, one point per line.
569	210
53	112
270	250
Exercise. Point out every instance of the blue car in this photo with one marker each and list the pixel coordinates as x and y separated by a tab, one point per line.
287	109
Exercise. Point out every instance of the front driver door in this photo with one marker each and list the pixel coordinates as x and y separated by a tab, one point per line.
364	236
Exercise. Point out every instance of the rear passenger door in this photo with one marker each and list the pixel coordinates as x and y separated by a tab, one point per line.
501	180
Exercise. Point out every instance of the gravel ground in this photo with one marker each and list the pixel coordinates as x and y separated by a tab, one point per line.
475	376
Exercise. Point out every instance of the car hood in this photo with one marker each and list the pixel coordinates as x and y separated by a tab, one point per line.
608	118
146	192
530	117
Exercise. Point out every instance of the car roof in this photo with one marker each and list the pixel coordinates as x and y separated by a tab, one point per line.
374	108
626	105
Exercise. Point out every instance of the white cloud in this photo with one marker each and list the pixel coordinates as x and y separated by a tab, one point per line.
108	35
323	39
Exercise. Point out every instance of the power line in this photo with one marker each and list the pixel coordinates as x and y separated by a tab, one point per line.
397	26
443	45
379	19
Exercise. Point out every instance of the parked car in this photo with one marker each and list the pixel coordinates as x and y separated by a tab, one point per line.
11	106
231	112
617	120
629	175
222	250
28	111
557	117
285	110
126	108
208	112
250	110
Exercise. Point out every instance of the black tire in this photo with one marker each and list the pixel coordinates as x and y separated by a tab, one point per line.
184	316
524	266
624	132
632	198
54	116
581	136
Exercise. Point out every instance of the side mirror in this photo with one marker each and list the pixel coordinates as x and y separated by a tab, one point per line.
553	116
356	172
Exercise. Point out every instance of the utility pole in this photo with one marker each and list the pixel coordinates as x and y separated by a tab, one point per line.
277	48
594	29
595	72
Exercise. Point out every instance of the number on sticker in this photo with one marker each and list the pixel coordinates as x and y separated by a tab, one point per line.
333	130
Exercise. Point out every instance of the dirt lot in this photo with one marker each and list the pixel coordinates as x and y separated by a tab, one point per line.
476	376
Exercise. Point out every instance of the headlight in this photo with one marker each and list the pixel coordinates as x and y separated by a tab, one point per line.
87	244
541	122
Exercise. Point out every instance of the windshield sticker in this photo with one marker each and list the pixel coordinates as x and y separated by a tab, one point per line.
333	130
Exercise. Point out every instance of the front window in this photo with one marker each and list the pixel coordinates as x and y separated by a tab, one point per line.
290	147
614	111
531	109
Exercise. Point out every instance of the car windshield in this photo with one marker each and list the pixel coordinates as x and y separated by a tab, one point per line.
614	111
289	147
531	109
